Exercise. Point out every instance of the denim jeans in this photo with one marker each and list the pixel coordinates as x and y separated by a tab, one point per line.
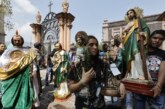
129	100
153	103
49	72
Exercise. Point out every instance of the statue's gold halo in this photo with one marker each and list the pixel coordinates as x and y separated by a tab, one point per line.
139	13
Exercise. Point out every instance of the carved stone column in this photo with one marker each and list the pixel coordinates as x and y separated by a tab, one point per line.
61	34
36	29
65	34
69	26
65	20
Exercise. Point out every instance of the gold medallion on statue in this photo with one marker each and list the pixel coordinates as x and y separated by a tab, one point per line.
16	55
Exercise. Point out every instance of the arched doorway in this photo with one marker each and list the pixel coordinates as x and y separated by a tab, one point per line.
50	32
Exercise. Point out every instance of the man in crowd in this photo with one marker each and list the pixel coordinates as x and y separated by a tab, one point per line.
49	72
2	48
35	74
40	56
49	64
156	63
38	62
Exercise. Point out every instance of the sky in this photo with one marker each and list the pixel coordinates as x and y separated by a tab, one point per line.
89	14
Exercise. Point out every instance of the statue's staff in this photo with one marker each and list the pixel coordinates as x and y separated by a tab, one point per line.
143	55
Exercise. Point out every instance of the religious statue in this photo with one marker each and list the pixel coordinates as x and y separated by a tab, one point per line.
131	43
38	17
15	75
135	39
80	39
60	69
65	6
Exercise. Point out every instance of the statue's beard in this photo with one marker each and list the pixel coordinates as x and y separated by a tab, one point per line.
131	18
18	45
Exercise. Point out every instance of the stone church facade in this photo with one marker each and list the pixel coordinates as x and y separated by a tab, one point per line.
111	29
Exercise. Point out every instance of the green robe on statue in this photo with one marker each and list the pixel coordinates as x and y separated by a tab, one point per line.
17	92
132	50
60	70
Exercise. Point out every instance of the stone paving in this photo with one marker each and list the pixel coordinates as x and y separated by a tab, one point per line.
47	99
47	92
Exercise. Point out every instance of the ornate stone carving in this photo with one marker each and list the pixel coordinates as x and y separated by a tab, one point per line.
65	6
38	17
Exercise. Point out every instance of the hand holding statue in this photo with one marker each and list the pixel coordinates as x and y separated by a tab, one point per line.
142	34
157	90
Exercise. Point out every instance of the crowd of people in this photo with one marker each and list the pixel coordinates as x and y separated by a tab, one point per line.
86	70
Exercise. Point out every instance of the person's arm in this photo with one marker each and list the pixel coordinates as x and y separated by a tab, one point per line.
86	78
73	86
33	68
158	87
122	91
